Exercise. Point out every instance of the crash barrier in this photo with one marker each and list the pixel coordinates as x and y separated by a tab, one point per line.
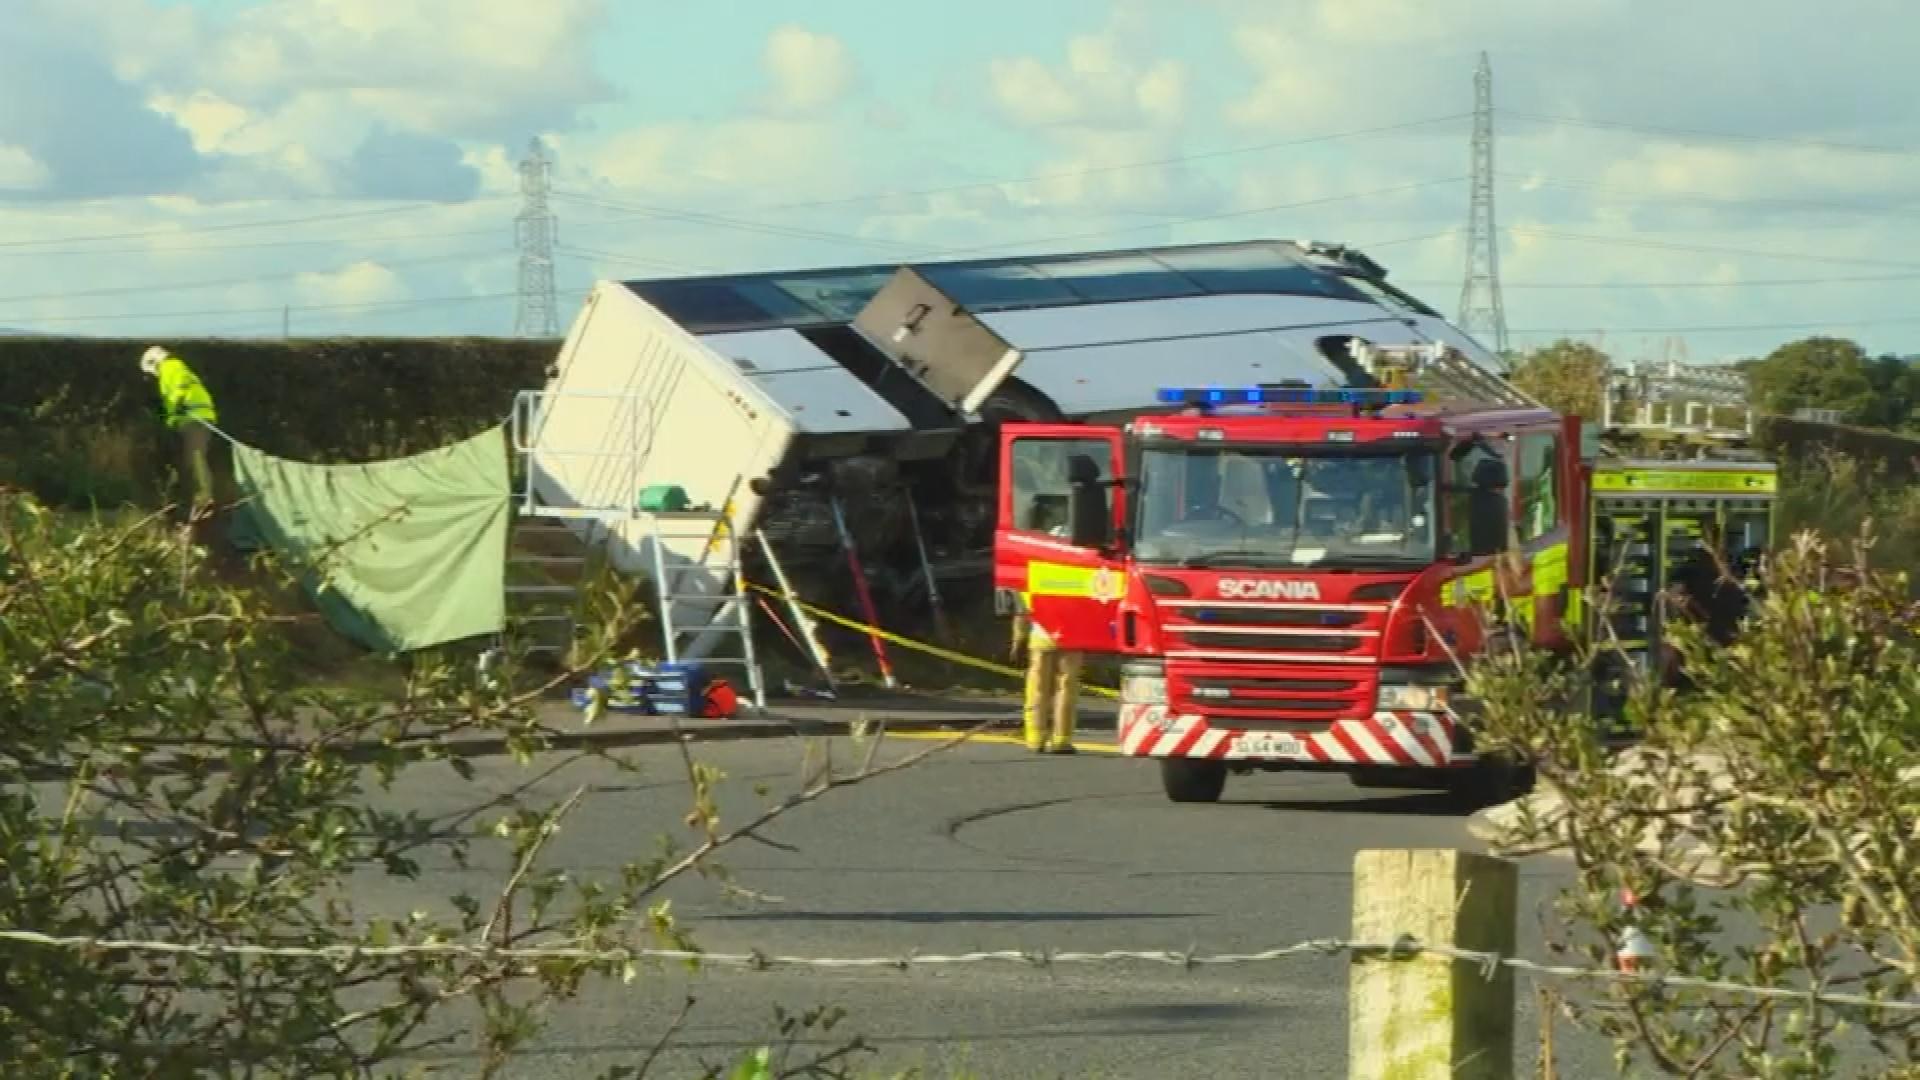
889	636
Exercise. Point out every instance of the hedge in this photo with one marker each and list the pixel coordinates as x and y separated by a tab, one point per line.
82	427
1894	454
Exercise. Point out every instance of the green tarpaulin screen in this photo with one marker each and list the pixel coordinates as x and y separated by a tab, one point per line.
410	553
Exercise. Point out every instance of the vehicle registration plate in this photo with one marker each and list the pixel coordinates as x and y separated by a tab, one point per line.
1263	744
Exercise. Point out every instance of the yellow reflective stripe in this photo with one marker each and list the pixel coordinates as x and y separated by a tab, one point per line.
1550	568
1058	579
1549	577
1469	588
1704	481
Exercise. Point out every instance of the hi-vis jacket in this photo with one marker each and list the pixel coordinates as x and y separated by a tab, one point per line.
182	396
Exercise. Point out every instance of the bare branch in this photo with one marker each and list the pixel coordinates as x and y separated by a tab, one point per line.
666	1037
503	908
829	783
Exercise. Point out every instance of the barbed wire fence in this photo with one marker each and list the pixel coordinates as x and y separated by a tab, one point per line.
1405	947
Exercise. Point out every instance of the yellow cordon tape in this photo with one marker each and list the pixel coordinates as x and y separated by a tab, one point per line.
1000	740
920	646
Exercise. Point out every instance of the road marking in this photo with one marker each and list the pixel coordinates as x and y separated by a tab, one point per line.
1007	740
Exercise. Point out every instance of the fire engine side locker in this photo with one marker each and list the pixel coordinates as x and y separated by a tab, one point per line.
1646	517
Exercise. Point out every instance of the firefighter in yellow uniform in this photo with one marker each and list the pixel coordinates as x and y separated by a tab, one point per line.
1053	689
188	410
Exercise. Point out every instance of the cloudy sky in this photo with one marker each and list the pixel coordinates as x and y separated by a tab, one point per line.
1715	176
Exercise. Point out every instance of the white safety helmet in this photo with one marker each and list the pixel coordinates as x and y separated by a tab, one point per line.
150	360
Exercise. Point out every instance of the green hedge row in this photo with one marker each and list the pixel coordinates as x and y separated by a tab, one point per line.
1894	456
81	422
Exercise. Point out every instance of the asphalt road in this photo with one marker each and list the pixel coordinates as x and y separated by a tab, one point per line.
986	847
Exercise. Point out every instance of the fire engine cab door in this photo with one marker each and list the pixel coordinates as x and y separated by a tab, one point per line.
1071	590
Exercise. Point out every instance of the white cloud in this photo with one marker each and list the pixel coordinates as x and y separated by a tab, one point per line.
1108	102
810	71
279	98
1030	94
362	282
205	116
447	67
20	170
1102	84
791	136
727	162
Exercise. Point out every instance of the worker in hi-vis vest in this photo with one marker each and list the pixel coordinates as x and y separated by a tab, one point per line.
188	410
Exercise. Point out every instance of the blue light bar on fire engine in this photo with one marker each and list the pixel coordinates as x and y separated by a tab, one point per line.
1283	395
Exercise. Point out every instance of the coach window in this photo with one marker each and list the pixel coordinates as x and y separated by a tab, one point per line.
1539	482
1039	482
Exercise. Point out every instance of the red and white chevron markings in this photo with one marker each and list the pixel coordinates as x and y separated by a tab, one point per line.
1384	738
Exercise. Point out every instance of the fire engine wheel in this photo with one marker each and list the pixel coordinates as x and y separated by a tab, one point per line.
1488	783
1189	780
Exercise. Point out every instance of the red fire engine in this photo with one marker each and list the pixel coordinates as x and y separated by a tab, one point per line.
1289	574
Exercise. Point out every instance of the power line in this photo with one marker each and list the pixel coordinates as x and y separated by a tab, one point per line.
492	230
1707	249
1699	133
1750	283
1728	328
728	222
333	241
1201	218
336	313
1094	170
1709	198
656	212
917	252
115	316
232	226
1372	244
251	279
576	252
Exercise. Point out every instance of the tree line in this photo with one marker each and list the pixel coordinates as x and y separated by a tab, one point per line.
1813	373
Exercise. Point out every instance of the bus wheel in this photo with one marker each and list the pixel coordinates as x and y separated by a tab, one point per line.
1191	780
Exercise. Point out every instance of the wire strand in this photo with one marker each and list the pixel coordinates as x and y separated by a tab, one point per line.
1405	947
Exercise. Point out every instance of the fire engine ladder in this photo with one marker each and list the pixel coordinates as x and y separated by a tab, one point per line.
1442	373
690	547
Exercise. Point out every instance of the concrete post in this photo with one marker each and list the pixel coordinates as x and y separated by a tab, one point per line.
1426	1016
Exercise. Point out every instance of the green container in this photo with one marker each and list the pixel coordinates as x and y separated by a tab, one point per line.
663	499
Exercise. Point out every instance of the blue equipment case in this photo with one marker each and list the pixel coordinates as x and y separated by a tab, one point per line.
663	690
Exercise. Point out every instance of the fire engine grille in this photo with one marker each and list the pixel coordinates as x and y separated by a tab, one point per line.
1310	686
1225	638
1259	703
1273	616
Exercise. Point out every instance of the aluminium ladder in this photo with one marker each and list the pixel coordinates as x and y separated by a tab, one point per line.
1443	373
722	613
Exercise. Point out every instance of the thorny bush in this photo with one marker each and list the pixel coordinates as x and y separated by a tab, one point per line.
167	774
1765	823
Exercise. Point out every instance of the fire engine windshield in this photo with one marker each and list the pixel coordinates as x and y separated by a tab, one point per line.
1285	506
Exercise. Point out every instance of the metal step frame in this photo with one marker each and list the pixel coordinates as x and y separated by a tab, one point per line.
725	615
